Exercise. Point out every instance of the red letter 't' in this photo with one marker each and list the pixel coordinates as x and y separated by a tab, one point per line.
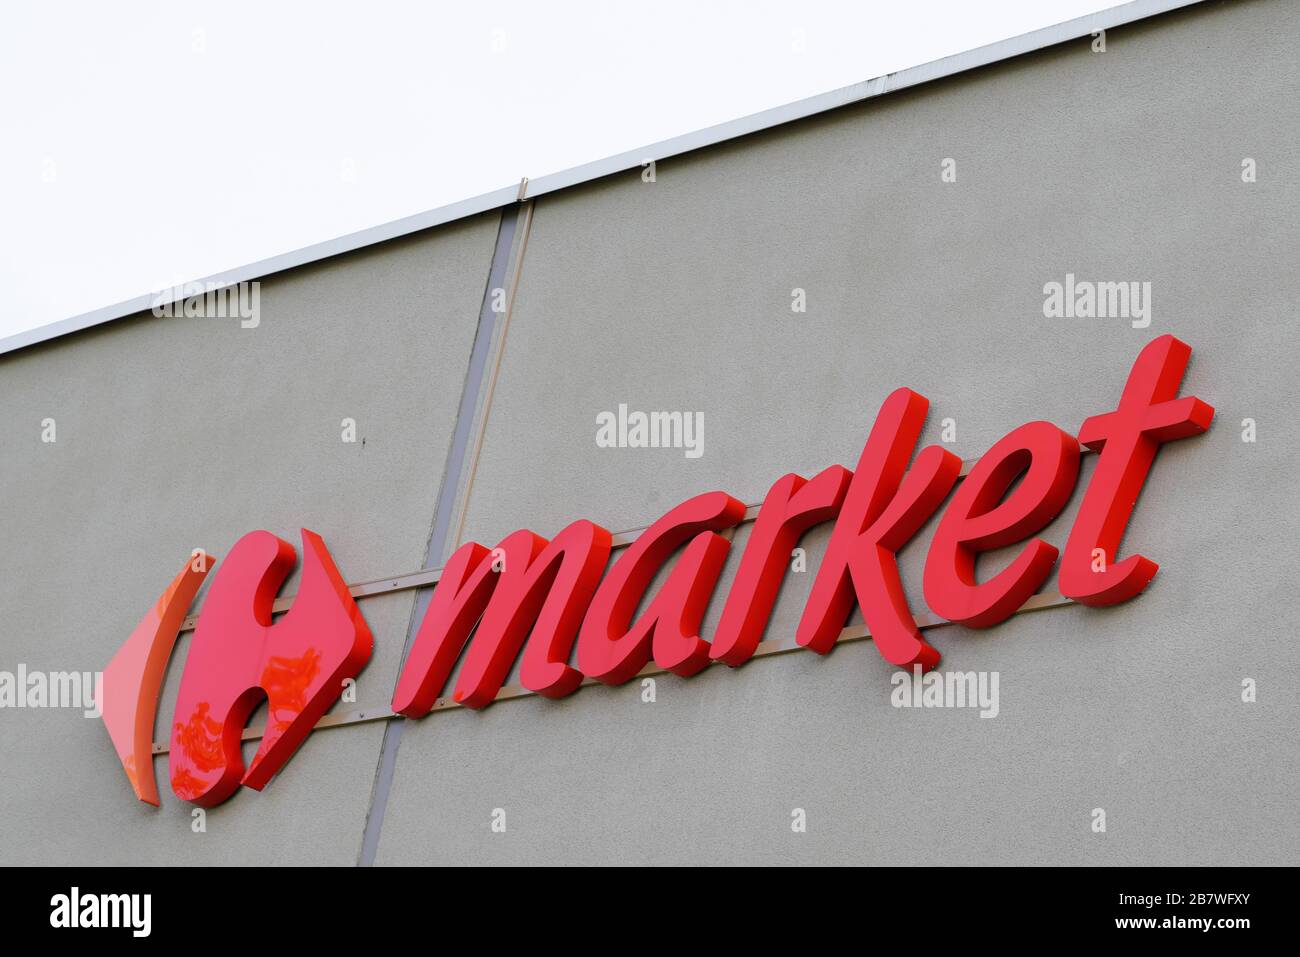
1149	414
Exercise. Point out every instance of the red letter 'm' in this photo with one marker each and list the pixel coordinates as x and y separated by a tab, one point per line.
525	583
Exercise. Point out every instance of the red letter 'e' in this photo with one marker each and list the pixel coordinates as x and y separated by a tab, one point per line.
978	520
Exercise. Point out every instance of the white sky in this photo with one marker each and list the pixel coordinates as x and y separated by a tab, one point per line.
146	144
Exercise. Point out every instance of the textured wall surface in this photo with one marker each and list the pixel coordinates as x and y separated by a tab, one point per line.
177	433
675	295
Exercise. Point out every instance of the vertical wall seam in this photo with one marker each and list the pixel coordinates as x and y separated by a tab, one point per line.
526	208
445	506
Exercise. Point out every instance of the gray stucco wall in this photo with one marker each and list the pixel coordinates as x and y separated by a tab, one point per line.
177	433
676	295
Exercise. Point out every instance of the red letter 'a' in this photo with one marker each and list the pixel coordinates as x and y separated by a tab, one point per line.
238	655
1149	414
525	583
610	647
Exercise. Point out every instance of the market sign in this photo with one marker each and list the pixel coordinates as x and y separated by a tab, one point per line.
539	598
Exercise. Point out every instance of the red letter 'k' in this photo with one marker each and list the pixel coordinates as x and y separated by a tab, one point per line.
886	505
